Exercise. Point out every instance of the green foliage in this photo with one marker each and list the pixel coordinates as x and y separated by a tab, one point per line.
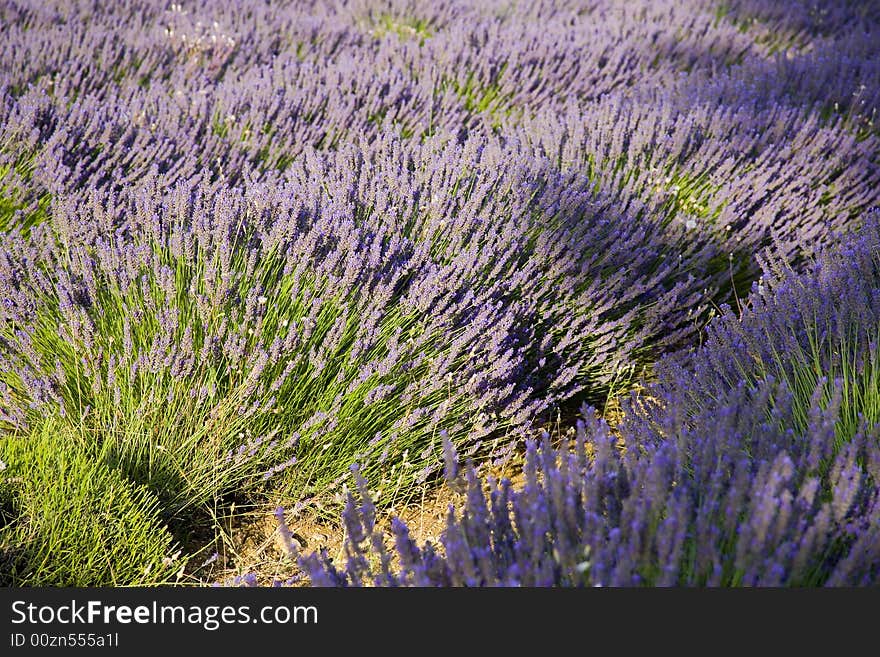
482	96
16	209
69	520
840	364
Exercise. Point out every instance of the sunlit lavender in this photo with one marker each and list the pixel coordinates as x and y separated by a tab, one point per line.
723	473
245	247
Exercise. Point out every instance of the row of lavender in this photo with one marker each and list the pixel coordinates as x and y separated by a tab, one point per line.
648	100
754	461
258	242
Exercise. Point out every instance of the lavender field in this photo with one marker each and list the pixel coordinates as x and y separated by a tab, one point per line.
330	257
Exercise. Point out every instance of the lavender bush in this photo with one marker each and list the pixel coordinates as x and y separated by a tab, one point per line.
246	245
253	327
754	461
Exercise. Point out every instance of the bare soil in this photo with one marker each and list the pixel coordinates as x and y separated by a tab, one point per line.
248	541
